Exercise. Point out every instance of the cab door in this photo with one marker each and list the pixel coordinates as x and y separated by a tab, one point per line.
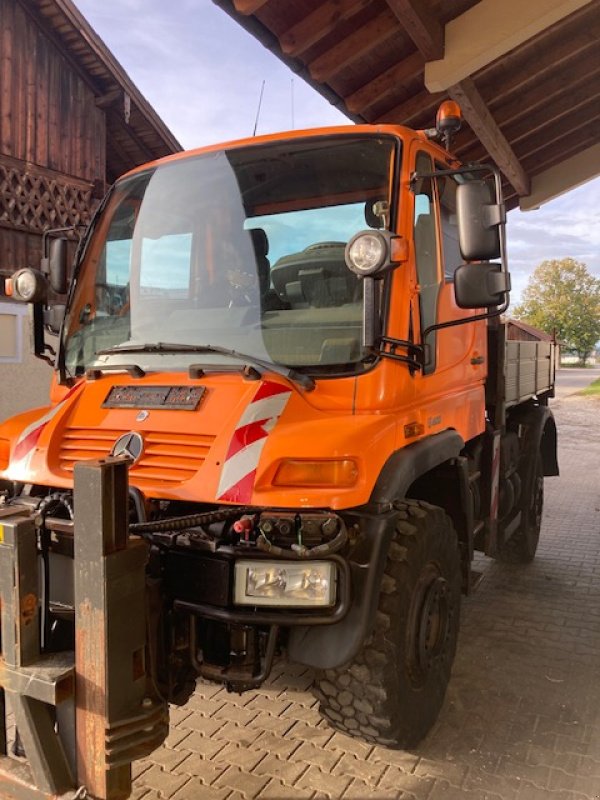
451	382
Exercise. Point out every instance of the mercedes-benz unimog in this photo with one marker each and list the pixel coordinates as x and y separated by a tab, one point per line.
296	342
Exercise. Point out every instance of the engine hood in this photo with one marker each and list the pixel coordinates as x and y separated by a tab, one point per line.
217	439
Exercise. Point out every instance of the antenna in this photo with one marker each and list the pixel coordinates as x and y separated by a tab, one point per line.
292	99
262	89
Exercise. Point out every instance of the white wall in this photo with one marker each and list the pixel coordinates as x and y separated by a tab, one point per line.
24	379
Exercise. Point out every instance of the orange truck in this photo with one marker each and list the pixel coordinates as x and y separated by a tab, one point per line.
296	341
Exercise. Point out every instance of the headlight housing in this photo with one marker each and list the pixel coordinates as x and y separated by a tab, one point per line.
258	582
371	252
27	285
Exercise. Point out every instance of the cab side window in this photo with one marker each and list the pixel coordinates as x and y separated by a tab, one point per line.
425	238
447	197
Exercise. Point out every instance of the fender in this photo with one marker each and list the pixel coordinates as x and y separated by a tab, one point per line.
540	434
329	646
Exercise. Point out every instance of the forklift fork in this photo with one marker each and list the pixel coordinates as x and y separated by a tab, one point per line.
82	717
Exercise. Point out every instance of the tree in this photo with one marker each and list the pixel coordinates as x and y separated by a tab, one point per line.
564	297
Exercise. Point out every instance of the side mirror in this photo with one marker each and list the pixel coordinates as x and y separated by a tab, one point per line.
482	285
57	266
479	220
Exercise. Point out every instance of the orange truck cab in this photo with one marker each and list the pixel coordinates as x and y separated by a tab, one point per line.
295	341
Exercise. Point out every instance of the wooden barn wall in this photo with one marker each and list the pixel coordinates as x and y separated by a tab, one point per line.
48	114
52	139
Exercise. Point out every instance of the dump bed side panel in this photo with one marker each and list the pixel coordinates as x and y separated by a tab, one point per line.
529	370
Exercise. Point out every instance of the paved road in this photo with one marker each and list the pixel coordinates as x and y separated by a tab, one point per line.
572	379
521	719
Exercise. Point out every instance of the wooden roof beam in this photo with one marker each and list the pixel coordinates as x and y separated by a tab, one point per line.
422	27
353	47
562	177
542	99
418	104
316	25
483	124
247	7
384	84
487	31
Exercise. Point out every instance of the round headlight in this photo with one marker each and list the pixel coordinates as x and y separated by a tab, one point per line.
29	286
366	253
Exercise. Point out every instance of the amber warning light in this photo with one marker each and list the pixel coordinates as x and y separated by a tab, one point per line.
448	121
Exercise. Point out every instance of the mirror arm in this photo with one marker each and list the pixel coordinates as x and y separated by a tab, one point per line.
463	320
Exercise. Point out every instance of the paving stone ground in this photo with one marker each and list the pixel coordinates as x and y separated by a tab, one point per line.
521	720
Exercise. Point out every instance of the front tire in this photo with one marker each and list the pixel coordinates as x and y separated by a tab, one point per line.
393	690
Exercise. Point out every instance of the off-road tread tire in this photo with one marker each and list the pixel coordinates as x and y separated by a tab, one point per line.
368	698
522	545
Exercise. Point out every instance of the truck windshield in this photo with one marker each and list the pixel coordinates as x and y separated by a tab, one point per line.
242	249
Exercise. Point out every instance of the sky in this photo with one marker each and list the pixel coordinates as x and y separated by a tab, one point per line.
203	75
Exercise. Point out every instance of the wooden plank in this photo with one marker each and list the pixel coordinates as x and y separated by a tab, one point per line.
543	97
42	89
557	51
487	31
384	84
477	114
573	145
18	84
54	154
247	7
316	25
6	83
31	94
417	104
357	44
422	27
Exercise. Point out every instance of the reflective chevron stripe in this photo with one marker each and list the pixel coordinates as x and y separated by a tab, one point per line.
249	438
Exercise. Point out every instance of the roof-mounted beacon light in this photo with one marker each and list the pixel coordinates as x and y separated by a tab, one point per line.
448	121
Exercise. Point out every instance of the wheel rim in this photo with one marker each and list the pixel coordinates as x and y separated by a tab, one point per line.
429	622
537	502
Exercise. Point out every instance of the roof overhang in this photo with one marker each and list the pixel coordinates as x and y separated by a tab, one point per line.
525	74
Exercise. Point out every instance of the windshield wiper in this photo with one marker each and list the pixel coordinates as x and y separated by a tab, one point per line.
305	381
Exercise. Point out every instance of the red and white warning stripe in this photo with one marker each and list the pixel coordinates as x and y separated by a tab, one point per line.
249	438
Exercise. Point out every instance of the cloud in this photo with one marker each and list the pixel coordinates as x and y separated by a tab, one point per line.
203	74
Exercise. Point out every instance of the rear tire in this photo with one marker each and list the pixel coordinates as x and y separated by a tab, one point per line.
522	545
393	690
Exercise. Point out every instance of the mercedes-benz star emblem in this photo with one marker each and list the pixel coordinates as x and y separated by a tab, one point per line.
130	445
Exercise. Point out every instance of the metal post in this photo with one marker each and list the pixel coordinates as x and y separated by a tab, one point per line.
33	683
118	719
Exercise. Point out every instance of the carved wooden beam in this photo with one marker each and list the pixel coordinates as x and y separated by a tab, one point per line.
483	124
386	83
316	25
422	27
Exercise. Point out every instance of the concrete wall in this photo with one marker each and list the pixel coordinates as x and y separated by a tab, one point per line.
24	379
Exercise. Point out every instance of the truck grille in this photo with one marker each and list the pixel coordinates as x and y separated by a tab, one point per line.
169	458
